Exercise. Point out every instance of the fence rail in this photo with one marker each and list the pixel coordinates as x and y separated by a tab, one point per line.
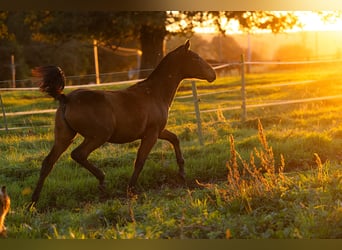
195	96
74	86
286	102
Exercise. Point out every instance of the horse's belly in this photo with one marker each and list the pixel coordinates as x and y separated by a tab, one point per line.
126	133
122	138
130	132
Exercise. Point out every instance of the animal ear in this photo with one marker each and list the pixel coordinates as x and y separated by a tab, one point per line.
187	44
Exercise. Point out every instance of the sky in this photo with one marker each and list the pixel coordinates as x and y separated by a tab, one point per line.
313	22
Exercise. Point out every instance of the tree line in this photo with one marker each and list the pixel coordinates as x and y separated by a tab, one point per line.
66	38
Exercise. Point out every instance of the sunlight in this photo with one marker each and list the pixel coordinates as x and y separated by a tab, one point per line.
231	26
310	21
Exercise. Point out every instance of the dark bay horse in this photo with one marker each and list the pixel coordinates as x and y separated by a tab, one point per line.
137	112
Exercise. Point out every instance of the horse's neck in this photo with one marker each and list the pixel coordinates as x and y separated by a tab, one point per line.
165	85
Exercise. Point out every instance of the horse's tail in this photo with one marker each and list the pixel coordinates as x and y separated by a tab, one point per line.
52	82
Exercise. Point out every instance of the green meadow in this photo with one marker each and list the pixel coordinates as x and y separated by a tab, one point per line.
278	174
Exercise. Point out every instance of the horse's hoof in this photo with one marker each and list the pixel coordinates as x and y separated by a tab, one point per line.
131	192
102	187
181	175
103	192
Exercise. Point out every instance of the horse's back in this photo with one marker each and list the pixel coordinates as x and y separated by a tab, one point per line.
119	116
88	112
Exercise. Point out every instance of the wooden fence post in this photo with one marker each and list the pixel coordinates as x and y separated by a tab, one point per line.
13	71
197	111
4	113
243	90
96	59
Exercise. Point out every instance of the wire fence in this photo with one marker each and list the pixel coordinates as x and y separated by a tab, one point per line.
77	80
239	67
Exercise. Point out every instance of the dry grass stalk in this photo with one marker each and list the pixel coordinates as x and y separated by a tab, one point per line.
5	203
251	180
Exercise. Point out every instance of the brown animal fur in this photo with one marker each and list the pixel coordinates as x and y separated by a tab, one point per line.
4	208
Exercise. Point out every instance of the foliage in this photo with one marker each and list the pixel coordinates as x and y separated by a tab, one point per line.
248	20
3	27
145	30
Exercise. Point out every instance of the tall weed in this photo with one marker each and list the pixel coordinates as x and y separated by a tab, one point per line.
247	180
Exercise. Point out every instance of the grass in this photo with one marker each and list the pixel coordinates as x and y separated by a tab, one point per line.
276	175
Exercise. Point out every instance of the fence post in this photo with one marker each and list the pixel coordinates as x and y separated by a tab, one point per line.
4	113
96	59
197	111
13	71
243	90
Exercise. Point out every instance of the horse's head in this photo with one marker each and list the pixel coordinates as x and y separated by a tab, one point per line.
193	66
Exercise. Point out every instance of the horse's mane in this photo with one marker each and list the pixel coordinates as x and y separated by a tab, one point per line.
159	69
166	60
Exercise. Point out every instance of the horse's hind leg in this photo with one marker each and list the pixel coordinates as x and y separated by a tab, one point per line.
81	153
63	138
173	139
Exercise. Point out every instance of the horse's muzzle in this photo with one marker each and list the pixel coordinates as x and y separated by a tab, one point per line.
212	76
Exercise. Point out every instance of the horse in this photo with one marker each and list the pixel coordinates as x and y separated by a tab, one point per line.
138	112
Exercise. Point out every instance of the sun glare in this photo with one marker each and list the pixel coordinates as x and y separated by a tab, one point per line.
231	27
310	21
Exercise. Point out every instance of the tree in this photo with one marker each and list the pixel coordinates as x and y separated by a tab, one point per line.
9	46
3	26
112	29
276	21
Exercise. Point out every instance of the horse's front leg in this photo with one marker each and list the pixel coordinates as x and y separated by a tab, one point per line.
145	147
173	139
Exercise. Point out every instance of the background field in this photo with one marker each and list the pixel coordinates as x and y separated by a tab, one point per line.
281	179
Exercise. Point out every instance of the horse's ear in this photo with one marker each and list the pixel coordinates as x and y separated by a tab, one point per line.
187	44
